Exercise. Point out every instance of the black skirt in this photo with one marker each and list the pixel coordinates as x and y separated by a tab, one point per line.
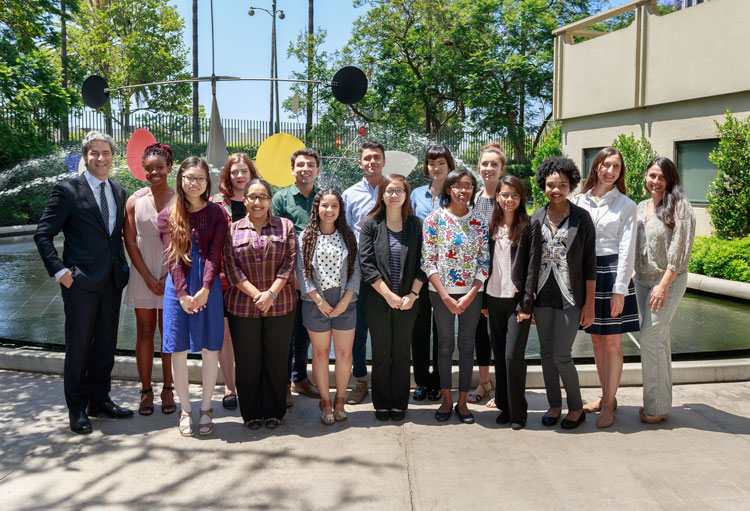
605	324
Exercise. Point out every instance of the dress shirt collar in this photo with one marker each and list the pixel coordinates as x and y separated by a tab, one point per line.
93	181
296	191
272	221
607	198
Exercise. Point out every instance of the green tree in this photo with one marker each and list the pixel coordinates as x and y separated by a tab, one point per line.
134	41
729	193
637	153
321	70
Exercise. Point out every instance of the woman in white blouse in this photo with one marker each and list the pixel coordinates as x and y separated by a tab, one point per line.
616	310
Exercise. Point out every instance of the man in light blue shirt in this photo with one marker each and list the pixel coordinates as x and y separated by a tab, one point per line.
359	199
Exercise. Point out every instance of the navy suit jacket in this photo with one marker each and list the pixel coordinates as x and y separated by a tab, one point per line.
89	251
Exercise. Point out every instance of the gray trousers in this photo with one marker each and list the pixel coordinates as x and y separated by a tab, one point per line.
467	327
656	347
557	330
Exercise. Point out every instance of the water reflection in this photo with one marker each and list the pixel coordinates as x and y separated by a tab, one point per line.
31	310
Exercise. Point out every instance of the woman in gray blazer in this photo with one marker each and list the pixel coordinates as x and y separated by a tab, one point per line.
390	249
566	285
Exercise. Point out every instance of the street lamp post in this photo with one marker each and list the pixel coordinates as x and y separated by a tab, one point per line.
274	91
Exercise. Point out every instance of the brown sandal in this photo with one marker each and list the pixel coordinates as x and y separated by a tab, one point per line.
326	418
206	428
147	402
483	392
167	400
339	416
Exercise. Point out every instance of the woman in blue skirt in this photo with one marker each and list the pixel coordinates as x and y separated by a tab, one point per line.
616	309
193	231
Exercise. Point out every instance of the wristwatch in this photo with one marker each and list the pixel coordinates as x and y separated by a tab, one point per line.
414	293
274	296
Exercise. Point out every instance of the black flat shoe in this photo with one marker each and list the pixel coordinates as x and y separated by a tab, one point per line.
110	410
443	416
398	415
466	419
254	424
550	420
79	423
568	424
420	393
229	402
272	423
434	394
503	418
382	415
515	426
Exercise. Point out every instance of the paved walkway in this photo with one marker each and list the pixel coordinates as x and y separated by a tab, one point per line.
698	459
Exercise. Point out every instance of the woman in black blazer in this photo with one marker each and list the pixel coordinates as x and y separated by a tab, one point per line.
390	248
566	286
515	252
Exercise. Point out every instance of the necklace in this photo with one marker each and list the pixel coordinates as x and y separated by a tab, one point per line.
555	220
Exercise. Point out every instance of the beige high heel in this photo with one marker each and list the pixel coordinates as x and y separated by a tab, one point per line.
186	429
339	416
326	418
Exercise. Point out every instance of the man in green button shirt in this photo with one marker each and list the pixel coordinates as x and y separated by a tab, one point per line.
294	203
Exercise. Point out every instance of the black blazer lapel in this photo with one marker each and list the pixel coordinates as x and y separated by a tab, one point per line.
573	223
119	207
383	250
91	204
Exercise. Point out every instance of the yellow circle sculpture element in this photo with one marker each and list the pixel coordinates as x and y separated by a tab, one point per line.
273	156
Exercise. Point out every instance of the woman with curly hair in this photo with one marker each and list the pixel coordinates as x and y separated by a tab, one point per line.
237	172
565	289
329	278
193	231
145	291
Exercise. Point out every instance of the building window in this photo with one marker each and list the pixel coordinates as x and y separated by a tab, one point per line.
696	172
588	160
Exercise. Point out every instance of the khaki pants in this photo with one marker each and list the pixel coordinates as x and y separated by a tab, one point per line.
656	347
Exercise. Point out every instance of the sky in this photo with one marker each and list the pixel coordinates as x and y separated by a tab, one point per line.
243	47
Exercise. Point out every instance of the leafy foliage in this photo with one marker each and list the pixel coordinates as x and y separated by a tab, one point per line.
637	153
723	259
729	193
550	146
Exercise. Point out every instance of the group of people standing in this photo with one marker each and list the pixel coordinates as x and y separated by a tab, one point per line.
251	280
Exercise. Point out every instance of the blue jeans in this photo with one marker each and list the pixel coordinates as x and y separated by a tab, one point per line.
359	349
300	345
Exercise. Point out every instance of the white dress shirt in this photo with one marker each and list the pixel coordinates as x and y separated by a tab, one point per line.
614	217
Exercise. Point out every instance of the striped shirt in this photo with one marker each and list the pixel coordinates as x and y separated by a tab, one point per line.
395	240
260	257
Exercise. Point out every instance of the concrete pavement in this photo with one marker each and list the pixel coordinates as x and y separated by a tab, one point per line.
698	459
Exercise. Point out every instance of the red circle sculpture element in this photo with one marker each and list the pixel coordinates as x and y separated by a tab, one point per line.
362	131
138	143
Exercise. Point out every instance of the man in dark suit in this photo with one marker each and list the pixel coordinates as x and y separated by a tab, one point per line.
90	211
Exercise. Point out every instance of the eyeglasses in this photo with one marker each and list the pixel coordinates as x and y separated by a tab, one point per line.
398	192
263	198
461	188
195	179
506	196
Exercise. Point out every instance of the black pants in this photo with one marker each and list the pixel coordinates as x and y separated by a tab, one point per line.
509	339
261	352
482	342
420	343
91	320
390	333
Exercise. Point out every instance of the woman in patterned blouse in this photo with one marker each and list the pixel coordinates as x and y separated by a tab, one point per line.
455	258
259	259
665	231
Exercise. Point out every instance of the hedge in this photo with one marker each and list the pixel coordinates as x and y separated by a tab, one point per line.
723	259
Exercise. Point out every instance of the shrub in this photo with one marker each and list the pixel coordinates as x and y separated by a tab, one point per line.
729	193
550	146
637	153
720	258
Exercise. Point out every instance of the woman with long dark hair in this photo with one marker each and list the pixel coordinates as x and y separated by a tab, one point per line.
616	310
192	231
390	251
237	172
259	260
329	277
455	257
665	232
438	162
515	253
145	291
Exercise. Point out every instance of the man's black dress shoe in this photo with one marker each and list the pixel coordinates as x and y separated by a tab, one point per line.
568	424
79	423
443	416
109	409
434	394
420	393
515	426
398	415
466	419
503	418
550	420
382	415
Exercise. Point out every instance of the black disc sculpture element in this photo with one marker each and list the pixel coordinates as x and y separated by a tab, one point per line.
349	85
93	92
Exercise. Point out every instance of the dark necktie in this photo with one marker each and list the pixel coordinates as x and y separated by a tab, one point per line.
104	207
